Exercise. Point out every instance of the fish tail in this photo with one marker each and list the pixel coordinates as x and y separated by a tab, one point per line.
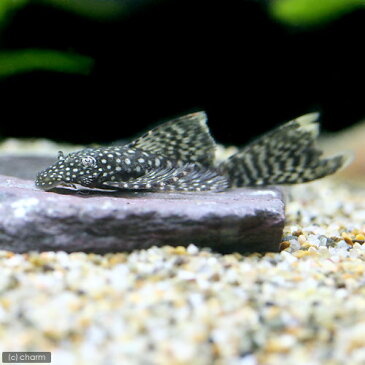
286	155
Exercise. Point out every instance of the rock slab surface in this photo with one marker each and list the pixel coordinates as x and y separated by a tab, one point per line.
24	166
242	220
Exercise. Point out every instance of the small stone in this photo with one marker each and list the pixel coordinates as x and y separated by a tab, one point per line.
342	244
192	249
347	238
180	250
288	257
294	245
281	344
297	233
300	253
360	237
284	245
302	239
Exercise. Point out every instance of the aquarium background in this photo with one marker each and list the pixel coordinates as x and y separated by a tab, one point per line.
96	71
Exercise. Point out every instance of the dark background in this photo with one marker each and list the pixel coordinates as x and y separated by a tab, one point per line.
229	58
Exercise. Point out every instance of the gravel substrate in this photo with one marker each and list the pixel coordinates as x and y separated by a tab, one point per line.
170	306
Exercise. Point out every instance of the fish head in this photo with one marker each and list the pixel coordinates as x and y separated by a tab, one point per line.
81	167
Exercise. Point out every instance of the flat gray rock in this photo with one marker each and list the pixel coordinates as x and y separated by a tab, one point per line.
242	220
24	166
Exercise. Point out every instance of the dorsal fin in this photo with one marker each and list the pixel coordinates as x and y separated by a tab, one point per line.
185	140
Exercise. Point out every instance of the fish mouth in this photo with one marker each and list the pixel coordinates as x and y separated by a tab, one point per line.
45	180
46	184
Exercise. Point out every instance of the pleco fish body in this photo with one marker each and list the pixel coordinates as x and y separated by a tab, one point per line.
179	156
175	156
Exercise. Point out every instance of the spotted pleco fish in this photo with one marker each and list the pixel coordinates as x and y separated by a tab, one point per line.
175	156
180	156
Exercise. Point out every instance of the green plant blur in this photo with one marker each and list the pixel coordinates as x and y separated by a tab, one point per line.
13	62
306	13
302	13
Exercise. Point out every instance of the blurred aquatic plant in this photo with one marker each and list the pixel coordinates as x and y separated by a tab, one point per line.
90	8
98	9
311	12
7	9
19	61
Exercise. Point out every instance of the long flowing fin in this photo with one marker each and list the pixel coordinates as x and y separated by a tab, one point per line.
285	155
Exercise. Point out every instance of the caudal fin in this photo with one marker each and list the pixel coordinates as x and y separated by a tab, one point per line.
285	155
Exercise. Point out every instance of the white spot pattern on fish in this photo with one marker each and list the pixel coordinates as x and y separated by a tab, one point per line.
179	156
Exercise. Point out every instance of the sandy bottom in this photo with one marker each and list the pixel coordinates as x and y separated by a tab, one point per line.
304	305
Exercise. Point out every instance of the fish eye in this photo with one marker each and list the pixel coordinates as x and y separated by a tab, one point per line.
88	161
61	156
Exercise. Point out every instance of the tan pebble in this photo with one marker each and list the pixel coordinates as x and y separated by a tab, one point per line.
302	239
313	250
37	260
347	238
84	322
117	259
351	268
301	253
5	303
284	245
237	255
297	278
180	250
53	335
272	313
335	238
306	245
215	350
279	345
